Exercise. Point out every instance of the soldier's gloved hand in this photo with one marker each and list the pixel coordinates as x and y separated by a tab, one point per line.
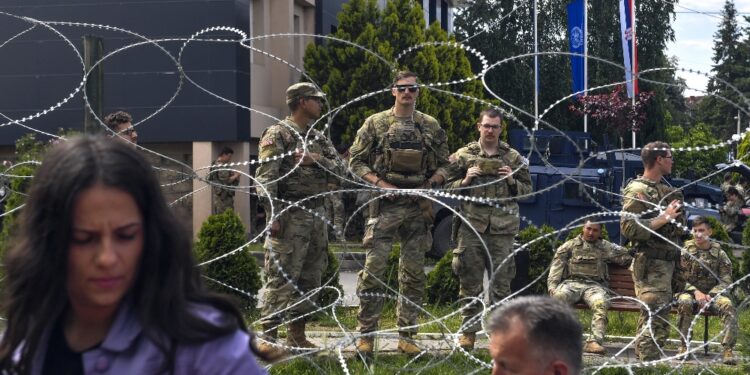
275	228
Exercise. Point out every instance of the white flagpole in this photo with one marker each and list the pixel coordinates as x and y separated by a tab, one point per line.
585	61
632	64
536	71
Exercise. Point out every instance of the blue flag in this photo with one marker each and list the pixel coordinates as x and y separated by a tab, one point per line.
577	38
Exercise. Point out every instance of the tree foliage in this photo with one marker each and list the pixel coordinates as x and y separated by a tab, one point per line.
346	72
695	163
503	28
729	66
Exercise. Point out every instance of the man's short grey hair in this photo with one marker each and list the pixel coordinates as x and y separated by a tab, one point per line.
552	327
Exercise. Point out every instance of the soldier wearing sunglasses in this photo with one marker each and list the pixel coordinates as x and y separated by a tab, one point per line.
399	148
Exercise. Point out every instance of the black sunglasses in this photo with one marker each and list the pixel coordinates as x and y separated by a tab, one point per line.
411	88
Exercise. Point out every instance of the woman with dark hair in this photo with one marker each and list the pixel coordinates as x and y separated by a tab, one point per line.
100	276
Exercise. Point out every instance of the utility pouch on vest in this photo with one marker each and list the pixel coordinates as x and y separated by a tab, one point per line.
489	166
405	181
406	160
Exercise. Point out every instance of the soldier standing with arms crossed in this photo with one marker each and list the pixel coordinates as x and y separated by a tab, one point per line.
491	169
296	250
654	262
579	272
399	148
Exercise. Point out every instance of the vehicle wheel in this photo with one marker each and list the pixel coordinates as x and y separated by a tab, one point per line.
441	238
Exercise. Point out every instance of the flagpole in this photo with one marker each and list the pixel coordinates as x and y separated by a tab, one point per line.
536	70
585	62
633	66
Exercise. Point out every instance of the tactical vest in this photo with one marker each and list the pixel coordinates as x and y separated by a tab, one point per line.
303	181
404	161
586	262
701	274
488	183
656	248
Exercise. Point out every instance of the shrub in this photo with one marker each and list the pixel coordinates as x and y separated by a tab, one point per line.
540	254
442	285
219	235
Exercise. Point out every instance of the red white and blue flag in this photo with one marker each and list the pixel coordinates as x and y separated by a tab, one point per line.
629	44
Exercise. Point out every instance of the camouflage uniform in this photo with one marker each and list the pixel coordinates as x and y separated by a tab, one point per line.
654	263
496	225
297	256
579	272
709	271
335	211
404	152
223	196
730	215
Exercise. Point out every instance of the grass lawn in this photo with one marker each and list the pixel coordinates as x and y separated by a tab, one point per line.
620	324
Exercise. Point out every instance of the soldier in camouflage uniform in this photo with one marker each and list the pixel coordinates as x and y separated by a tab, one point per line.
489	169
296	249
658	208
730	212
579	272
223	179
708	272
399	148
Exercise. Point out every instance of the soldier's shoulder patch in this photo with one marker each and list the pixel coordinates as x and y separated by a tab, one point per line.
266	142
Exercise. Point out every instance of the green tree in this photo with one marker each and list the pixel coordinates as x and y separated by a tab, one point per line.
219	235
695	163
503	28
728	65
346	72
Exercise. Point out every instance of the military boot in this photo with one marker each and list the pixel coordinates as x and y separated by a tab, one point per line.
728	357
407	345
268	349
366	345
467	340
593	347
296	335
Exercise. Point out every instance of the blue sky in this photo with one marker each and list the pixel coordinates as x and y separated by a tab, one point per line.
694	33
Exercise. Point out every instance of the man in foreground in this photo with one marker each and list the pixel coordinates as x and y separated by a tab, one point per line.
535	335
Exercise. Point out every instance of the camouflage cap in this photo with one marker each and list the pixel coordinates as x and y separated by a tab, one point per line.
302	90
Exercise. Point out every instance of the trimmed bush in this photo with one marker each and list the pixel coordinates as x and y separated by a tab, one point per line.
221	234
442	285
540	254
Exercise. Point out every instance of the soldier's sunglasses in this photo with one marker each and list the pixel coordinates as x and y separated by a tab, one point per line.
411	88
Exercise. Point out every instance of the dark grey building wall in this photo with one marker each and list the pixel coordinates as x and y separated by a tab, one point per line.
39	69
326	12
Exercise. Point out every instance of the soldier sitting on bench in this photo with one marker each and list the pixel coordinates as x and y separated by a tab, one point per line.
708	272
579	272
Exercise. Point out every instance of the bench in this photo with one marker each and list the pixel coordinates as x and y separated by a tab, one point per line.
621	284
